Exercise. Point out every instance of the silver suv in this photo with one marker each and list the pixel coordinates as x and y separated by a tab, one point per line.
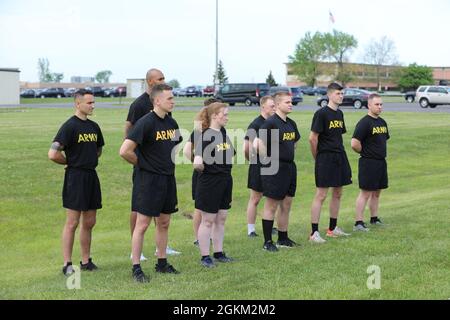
432	96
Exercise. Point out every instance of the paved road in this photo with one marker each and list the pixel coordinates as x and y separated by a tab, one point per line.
396	107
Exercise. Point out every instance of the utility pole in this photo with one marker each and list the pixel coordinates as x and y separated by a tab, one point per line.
217	43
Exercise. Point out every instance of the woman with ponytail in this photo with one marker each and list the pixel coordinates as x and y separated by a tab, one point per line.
213	160
188	152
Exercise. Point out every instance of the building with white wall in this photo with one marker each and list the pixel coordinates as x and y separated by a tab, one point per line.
136	87
9	86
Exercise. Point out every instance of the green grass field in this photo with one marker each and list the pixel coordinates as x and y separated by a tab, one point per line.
412	250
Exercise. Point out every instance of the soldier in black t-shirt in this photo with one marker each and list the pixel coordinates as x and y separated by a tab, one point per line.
369	140
213	152
81	140
254	182
278	187
139	108
188	152
149	147
332	168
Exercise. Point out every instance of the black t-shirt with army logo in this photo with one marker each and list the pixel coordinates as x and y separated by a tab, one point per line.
156	137
139	108
288	136
373	134
252	133
330	126
217	151
197	135
81	140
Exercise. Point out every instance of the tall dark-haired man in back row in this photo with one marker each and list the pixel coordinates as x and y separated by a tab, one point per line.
332	169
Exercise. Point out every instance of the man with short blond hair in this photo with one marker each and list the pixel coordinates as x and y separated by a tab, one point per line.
154	137
369	140
254	182
278	187
139	108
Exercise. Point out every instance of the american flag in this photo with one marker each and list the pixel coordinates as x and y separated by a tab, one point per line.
331	17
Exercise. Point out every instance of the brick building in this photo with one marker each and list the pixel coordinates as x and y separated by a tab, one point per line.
363	75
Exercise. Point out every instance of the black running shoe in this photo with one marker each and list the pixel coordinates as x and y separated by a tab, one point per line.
139	276
269	246
90	266
252	234
223	258
377	222
68	269
287	243
207	262
167	268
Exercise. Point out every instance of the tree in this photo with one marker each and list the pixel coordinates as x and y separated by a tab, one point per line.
337	46
44	70
308	53
220	76
380	53
270	80
57	77
103	76
174	83
413	76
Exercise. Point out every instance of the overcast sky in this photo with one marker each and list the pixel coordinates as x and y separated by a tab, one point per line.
178	36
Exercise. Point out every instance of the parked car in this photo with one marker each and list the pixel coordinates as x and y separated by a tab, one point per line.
175	91
108	92
320	91
194	91
52	93
96	91
69	92
115	92
410	96
181	92
29	93
310	91
432	96
120	91
296	94
247	93
357	98
208	91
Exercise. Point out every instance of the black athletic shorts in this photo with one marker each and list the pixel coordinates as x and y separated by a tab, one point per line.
133	190
155	193
372	174
281	184
81	190
254	181
214	192
194	183
332	170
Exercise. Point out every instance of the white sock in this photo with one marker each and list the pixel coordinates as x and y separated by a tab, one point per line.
250	228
